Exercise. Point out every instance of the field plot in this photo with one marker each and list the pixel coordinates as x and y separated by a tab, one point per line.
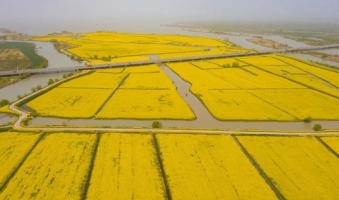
205	65
262	60
200	79
56	169
210	167
283	70
105	47
142	69
300	167
149	104
330	76
333	142
302	103
96	80
192	54
226	62
70	102
241	105
122	60
252	78
13	148
156	81
126	167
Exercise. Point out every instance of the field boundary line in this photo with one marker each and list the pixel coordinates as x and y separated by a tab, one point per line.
162	168
327	146
110	96
90	170
299	83
258	168
22	162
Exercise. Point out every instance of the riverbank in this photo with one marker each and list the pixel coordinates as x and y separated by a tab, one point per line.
268	43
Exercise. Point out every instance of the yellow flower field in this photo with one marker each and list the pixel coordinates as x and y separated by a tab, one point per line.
301	103
282	70
148	81
126	167
333	142
210	167
56	169
146	104
205	65
262	60
252	78
200	79
227	62
315	83
241	105
121	47
122	60
142	69
13	148
70	102
192	54
96	81
330	76
300	167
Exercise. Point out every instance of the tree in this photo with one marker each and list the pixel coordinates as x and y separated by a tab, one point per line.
50	82
33	89
38	87
64	76
95	57
156	124
4	102
235	64
56	80
317	127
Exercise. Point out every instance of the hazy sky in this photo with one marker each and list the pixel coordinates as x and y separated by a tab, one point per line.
21	13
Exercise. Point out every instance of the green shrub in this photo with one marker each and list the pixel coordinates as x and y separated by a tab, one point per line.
317	127
4	102
156	124
50	82
308	119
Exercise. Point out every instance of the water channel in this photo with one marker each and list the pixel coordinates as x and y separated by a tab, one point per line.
204	118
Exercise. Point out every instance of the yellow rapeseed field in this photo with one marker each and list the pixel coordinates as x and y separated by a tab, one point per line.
262	60
13	148
200	79
142	69
301	103
121	60
148	81
226	62
252	78
96	80
315	83
300	167
56	169
209	167
70	102
333	142
282	70
241	105
205	65
126	167
146	104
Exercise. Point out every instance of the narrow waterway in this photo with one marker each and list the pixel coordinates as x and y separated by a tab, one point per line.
24	86
204	118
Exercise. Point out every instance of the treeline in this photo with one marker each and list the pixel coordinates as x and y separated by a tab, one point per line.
28	49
